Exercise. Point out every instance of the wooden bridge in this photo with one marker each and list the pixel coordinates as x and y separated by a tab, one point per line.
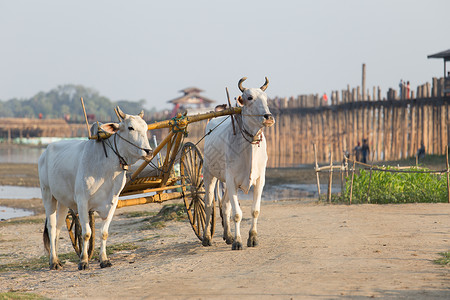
394	127
23	127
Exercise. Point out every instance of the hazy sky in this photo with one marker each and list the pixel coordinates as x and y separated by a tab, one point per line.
151	49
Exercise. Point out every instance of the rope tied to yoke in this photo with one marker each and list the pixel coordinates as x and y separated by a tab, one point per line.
255	139
176	127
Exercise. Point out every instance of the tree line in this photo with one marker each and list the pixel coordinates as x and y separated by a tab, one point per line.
64	102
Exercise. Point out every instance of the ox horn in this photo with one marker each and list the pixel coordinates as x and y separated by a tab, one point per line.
264	87
120	113
141	114
240	84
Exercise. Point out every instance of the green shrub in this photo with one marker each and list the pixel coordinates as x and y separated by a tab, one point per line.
389	187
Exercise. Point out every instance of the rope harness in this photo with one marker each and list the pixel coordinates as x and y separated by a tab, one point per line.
250	138
176	128
123	163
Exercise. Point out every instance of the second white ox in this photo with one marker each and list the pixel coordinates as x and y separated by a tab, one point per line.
86	175
239	160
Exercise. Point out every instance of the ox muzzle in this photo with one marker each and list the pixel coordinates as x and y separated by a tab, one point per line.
269	120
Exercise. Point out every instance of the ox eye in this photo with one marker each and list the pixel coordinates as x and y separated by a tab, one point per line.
130	128
250	98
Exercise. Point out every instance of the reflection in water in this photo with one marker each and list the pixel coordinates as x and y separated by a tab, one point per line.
19	192
291	191
9	213
294	191
16	154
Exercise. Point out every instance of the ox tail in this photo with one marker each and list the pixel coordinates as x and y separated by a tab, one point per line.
46	238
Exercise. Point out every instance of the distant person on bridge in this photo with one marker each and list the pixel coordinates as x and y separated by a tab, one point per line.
408	88
421	152
357	152
401	85
365	151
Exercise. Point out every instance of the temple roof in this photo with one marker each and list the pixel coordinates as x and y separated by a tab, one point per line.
191	90
191	96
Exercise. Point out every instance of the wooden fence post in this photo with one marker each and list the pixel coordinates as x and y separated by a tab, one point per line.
330	179
448	182
370	179
317	170
351	184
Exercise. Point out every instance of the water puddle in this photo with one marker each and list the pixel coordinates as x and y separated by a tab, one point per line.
291	191
25	155
19	192
10	212
271	192
16	192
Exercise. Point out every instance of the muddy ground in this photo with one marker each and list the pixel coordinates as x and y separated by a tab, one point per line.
307	250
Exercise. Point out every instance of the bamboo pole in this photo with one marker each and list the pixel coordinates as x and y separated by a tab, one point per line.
169	166
85	117
351	184
229	104
448	179
370	179
195	118
317	170
330	178
342	174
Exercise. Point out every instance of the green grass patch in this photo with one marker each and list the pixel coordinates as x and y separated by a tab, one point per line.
42	262
389	187
169	212
19	295
138	214
444	260
117	248
22	221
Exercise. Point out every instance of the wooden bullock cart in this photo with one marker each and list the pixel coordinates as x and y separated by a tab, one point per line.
162	184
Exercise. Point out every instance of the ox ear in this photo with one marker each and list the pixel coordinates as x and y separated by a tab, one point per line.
240	101
110	127
141	114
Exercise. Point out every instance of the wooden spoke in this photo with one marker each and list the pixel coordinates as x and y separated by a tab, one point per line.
191	170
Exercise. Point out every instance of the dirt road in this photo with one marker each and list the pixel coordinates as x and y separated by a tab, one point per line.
306	251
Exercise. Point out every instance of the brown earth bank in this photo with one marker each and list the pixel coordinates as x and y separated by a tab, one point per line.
306	250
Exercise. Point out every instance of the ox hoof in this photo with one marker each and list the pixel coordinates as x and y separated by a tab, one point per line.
206	242
228	239
83	266
56	266
105	264
252	241
236	246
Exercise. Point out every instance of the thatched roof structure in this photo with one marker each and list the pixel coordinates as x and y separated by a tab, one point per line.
192	97
443	54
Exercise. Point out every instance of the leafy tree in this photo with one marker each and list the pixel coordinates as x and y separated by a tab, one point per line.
65	101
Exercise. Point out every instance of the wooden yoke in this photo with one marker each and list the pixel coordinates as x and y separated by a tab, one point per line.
190	119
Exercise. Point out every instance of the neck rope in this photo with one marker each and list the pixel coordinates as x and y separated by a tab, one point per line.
122	161
250	138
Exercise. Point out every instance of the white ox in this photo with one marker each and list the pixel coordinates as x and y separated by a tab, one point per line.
239	160
79	175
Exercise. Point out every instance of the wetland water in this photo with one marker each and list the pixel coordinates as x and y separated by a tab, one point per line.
18	154
16	192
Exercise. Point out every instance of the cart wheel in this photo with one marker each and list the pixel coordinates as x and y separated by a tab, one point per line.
191	171
74	228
